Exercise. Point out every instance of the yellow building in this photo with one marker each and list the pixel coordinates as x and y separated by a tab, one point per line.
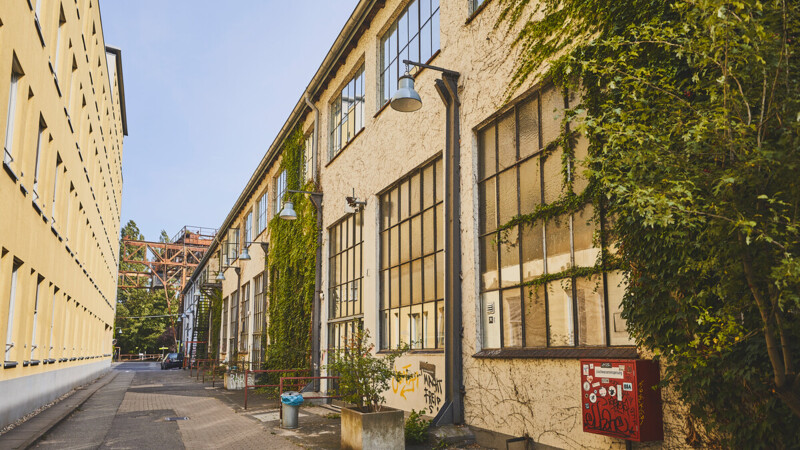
63	122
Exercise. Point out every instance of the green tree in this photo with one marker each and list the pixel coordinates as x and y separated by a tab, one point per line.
693	111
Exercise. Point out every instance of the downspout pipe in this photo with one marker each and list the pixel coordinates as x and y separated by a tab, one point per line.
315	139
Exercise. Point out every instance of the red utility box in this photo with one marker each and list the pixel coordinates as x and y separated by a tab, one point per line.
618	399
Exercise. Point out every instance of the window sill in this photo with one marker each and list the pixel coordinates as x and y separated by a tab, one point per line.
560	353
477	11
355	136
430	351
10	171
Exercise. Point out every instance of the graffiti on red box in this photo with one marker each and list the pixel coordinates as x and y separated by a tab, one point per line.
613	398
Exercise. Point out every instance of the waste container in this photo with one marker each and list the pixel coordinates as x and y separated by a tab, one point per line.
290	404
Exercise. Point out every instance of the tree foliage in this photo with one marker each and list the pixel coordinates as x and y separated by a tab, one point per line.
293	246
693	111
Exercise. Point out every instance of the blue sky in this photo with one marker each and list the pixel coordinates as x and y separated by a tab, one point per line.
208	84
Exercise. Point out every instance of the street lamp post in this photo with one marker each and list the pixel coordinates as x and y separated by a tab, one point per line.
406	99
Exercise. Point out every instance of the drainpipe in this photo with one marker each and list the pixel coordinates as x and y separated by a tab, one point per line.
315	139
316	323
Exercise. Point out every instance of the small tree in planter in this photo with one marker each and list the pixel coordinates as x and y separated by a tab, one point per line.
363	378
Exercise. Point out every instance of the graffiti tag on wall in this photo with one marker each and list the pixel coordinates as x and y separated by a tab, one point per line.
432	387
409	383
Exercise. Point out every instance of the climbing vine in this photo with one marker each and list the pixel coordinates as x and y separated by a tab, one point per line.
692	109
293	245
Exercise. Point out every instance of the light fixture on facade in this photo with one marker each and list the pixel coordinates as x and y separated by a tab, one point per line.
220	276
245	255
287	213
406	99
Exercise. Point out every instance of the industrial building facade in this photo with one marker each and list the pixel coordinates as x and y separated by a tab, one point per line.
387	265
63	122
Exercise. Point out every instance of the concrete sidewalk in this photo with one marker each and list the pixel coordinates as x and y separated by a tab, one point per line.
30	431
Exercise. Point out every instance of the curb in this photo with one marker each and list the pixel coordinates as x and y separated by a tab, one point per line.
29	432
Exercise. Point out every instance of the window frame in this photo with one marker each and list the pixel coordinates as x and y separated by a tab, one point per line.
492	178
390	270
392	68
339	119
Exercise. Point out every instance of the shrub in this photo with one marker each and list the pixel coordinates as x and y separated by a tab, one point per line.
416	428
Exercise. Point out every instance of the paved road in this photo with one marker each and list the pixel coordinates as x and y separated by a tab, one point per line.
130	411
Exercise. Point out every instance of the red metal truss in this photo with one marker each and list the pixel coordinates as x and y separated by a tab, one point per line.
149	265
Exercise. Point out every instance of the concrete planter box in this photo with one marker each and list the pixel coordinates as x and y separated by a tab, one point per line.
384	429
234	381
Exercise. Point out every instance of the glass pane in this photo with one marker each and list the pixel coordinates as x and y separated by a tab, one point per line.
425	42
438	169
528	117
413	17
405	284
394	206
428	323
535	317
394	328
416	236
427	186
616	291
583	229
402	28
425	10
581	152
552	114
414	196
429	280
394	246
404	200
440	227
405	245
506	141
558	254
487	204
487	155
507	196
357	261
489	274
416	281
385	329
394	287
591	311
512	318
559	296
530	187
386	211
428	237
440	275
385	290
416	327
553	177
532	252
491	319
509	258
384	249
435	44
440	324
405	321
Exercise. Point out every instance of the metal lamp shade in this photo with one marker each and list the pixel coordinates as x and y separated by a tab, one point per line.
406	99
287	213
245	255
220	276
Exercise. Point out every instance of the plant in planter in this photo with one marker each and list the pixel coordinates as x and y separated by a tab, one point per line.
363	378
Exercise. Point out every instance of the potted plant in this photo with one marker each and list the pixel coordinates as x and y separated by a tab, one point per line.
363	378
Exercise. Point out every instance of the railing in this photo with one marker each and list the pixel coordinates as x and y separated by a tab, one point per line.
206	364
247	386
139	357
304	397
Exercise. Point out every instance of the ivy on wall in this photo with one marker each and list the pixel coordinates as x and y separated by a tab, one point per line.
293	246
692	109
215	301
